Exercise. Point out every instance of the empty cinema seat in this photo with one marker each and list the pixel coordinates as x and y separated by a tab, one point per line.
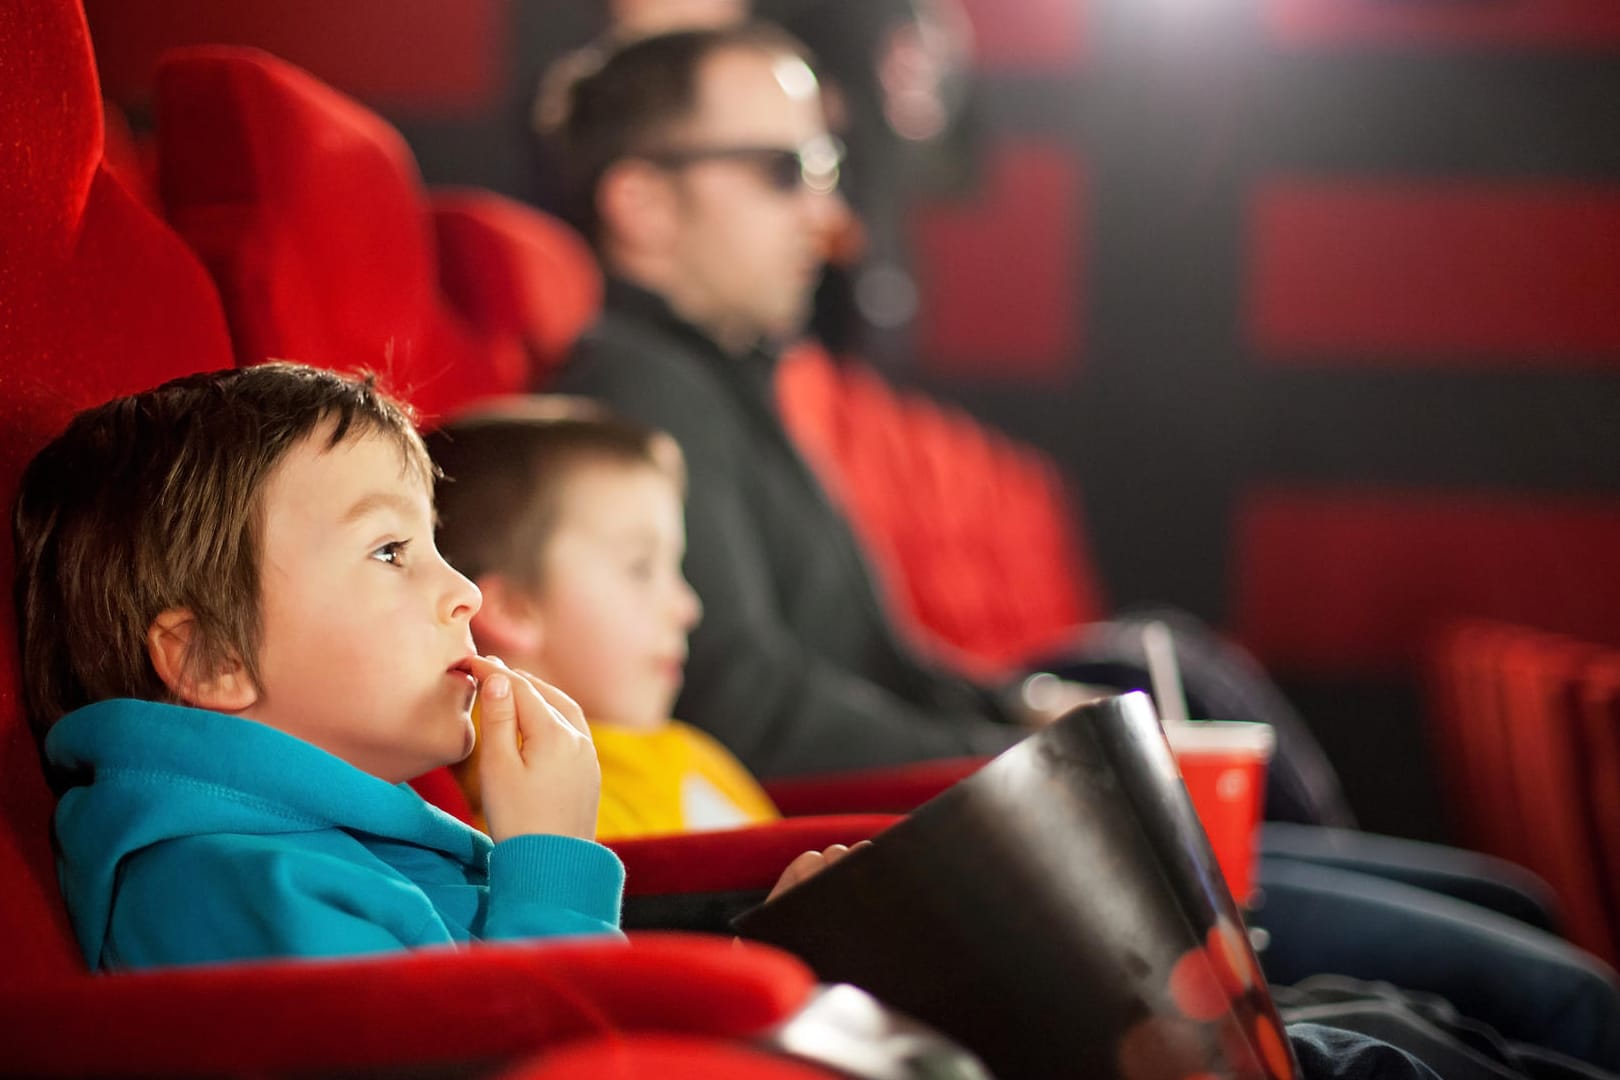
308	210
1524	722
512	270
98	298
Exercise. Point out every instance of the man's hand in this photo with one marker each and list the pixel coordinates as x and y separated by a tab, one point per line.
810	864
538	765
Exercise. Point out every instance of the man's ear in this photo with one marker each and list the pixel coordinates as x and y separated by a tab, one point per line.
508	622
635	202
168	645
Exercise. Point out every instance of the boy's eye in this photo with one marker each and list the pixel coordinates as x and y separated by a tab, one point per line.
392	552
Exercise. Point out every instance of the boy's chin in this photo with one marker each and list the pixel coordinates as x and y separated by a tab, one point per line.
468	742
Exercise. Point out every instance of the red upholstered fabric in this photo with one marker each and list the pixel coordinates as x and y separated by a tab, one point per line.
896	790
421	1009
1525	720
1049	35
1357	582
419	56
1600	723
1540	677
97	298
132	159
309	211
972	535
735	859
511	270
1435	272
672	1056
979	319
1516	24
439	787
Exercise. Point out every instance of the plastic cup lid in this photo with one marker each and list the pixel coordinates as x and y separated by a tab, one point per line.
1222	736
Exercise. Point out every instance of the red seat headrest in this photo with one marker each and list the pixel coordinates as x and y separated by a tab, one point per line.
510	269
308	209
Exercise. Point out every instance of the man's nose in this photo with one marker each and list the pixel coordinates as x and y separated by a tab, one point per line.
832	219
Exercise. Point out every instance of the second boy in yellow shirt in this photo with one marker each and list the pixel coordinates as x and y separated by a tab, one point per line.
571	523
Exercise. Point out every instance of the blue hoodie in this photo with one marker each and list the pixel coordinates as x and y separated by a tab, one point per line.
188	836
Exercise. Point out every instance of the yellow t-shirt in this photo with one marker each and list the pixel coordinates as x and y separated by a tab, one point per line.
675	779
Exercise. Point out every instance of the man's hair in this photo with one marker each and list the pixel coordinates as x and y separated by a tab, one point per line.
626	103
505	470
156	501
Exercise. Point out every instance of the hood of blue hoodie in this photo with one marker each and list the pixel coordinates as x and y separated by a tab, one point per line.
137	773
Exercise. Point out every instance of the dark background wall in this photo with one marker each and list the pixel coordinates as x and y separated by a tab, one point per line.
1316	301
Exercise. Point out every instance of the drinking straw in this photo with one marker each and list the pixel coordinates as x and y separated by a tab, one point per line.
1165	673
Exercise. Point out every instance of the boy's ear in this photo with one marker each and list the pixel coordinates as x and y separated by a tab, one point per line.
508	623
168	644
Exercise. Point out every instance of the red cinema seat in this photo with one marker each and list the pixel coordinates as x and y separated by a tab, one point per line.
1599	694
99	298
513	271
1448	720
637	1057
308	210
972	533
1472	736
895	790
1541	685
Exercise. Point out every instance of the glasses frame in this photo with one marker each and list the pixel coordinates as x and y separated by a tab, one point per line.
814	166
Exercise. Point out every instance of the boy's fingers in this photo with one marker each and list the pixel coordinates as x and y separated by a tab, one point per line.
497	715
502	716
566	708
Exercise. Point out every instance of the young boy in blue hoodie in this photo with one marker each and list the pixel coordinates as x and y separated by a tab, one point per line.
238	643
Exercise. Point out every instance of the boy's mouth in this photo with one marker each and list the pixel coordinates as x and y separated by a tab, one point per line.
463	668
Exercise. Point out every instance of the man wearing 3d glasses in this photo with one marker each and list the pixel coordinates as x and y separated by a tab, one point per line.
707	179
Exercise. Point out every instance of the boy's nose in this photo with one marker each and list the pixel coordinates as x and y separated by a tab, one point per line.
462	598
688	607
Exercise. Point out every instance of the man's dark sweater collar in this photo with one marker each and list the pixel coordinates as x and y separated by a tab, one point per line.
621	298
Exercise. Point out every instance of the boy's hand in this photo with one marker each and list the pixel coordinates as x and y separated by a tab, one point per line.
810	864
549	784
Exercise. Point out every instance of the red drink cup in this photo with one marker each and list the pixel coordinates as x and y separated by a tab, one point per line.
1223	765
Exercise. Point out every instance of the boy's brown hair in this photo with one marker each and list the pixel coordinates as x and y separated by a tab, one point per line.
155	501
505	468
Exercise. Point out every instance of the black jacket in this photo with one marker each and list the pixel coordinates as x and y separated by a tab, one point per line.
795	666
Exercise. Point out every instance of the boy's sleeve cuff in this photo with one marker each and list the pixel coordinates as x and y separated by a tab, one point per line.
562	870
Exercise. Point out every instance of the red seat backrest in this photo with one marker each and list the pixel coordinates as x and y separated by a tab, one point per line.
972	533
97	298
1541	687
511	270
309	211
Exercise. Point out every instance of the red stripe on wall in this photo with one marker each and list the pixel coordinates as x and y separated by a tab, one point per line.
1336	583
428	57
1001	281
1431	273
1376	23
1028	34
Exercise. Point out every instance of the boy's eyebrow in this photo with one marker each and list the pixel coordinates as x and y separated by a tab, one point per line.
378	500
